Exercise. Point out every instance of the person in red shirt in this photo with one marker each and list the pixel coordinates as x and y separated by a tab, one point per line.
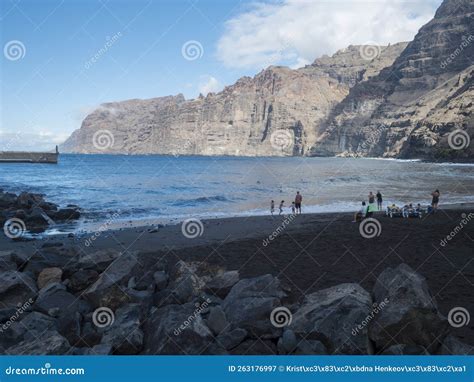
298	200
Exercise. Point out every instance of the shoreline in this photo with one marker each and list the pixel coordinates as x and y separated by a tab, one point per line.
424	160
110	224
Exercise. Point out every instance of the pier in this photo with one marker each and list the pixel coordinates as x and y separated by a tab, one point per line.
29	157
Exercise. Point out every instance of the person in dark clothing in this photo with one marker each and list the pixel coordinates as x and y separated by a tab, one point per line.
379	200
435	200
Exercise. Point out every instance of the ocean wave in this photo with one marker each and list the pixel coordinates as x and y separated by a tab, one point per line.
344	179
201	200
391	159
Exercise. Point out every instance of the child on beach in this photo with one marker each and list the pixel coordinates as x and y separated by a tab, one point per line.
293	208
281	207
272	207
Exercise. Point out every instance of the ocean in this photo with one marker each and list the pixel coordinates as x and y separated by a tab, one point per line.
168	188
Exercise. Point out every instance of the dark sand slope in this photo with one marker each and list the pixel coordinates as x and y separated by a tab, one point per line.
311	252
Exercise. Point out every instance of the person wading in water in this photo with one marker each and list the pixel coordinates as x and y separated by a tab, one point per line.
298	200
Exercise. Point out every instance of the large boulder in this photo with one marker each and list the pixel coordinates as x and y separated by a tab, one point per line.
48	276
49	343
16	289
7	200
250	303
217	321
187	282
124	335
98	261
332	314
36	220
453	346
6	262
55	297
177	329
48	258
32	325
222	283
160	278
410	315
82	279
65	214
28	200
18	258
231	339
110	289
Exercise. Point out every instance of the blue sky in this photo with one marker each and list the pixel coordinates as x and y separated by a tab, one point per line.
61	59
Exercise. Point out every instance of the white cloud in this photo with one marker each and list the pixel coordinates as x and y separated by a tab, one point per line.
295	32
209	84
30	141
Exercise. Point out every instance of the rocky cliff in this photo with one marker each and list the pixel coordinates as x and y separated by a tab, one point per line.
406	100
421	105
274	113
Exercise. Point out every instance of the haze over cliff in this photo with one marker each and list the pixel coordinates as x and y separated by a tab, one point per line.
401	100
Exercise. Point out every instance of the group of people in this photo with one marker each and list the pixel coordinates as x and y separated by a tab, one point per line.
295	206
406	211
367	210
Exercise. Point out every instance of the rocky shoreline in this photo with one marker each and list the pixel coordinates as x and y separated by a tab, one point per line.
109	302
31	212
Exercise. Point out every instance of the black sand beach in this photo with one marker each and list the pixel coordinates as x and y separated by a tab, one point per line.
311	252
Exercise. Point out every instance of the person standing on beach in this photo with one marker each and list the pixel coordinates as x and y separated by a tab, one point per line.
281	207
435	200
272	207
371	206
298	200
379	201
371	197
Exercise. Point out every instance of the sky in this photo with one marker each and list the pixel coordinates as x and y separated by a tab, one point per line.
63	58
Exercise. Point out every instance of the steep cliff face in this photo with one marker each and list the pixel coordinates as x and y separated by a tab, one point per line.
406	100
277	112
421	105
